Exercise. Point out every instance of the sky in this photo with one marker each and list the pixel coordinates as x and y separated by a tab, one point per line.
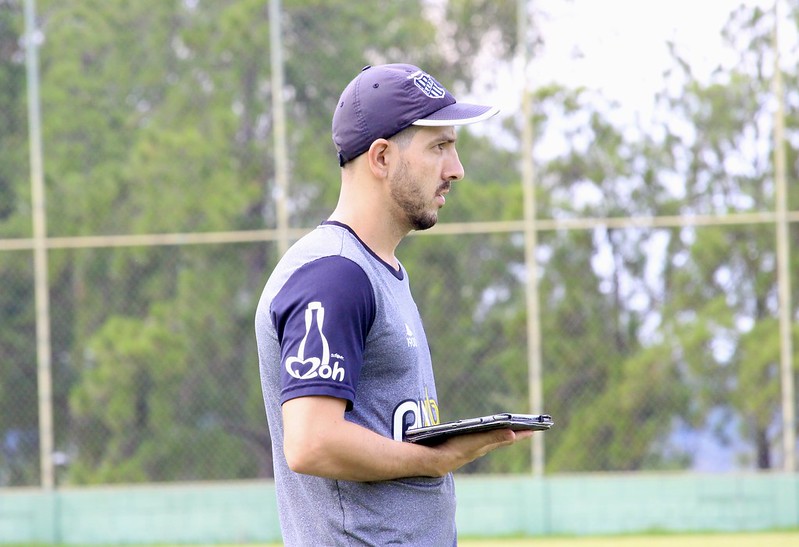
618	47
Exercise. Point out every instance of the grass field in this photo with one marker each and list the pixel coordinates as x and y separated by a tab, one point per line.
766	539
773	539
769	539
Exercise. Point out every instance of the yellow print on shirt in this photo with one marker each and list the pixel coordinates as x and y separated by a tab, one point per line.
424	412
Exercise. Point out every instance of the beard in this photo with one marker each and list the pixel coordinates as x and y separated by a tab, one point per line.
407	191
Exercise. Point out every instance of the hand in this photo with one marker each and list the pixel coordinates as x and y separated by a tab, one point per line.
462	449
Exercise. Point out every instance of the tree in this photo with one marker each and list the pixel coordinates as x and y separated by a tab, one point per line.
151	130
722	317
18	419
159	121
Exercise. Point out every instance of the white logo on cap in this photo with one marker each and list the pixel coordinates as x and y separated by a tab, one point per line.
428	85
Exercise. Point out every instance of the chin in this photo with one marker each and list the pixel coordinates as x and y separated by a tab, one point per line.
426	224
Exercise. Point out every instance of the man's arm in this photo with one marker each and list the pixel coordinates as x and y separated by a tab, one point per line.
319	441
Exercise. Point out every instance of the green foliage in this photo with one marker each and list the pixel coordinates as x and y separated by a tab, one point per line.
133	373
14	184
158	119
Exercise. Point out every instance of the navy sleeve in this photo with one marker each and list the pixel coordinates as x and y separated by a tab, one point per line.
322	316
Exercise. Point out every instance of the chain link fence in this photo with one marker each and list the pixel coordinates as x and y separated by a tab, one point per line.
658	318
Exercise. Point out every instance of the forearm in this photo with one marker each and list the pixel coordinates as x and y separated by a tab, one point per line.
348	451
318	440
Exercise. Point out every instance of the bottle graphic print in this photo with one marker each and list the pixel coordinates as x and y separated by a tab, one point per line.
319	365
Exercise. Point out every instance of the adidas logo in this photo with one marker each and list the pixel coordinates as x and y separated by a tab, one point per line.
412	343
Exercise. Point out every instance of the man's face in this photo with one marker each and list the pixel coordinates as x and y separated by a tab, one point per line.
427	168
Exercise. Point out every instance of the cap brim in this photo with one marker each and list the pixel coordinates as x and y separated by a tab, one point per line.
458	114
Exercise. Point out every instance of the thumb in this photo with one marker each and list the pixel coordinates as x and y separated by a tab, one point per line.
503	437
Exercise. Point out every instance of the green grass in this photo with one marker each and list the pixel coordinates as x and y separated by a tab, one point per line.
754	539
769	539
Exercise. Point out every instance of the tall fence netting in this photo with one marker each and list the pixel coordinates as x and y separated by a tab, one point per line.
656	246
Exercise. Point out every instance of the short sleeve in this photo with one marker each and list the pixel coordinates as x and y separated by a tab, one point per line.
322	316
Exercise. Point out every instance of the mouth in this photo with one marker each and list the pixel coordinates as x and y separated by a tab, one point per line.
442	191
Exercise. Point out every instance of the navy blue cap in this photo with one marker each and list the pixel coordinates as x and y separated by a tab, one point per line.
383	100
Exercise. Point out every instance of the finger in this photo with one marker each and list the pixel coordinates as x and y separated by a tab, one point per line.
503	437
524	434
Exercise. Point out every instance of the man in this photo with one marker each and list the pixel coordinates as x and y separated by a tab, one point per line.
345	365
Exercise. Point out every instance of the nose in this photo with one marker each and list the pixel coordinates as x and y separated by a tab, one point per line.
453	169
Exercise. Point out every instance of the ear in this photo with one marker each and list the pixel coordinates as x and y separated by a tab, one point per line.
379	157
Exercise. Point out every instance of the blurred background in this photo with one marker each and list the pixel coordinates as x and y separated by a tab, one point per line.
627	268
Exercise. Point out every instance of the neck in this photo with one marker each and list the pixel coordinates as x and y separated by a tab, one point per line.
365	205
375	231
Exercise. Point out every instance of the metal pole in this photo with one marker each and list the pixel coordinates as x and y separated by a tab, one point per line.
535	391
44	375
783	258
279	128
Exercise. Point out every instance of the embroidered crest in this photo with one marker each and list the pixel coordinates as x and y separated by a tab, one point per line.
428	85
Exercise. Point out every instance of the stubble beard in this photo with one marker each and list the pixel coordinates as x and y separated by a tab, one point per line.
407	192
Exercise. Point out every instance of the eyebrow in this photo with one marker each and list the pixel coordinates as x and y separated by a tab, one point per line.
445	135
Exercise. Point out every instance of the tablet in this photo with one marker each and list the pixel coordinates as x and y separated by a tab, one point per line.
435	434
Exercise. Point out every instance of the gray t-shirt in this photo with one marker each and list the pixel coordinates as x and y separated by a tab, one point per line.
336	320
